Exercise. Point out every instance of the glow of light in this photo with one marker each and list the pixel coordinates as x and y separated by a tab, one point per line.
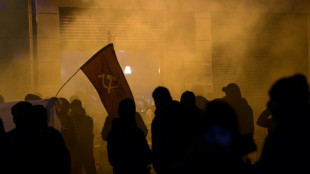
127	70
158	70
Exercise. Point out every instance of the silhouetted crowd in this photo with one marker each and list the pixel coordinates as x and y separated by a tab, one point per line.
192	135
34	147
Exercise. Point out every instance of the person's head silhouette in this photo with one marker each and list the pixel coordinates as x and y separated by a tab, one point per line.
40	117
22	112
221	124
32	97
287	95
232	91
64	105
188	99
127	109
77	109
161	96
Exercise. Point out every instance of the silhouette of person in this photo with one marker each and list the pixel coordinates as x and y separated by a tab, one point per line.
51	153
216	149
244	116
32	97
84	130
242	108
68	131
287	150
222	138
194	115
168	130
36	146
265	120
128	150
20	138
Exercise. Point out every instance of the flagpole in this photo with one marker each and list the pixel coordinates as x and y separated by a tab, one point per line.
67	82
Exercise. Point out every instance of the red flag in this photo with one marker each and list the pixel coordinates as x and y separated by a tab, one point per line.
105	73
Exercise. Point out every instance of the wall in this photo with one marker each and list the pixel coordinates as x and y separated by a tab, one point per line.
15	59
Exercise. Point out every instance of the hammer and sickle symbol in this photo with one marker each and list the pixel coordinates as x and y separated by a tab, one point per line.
110	85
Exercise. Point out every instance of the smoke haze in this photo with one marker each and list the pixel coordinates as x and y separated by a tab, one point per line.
198	45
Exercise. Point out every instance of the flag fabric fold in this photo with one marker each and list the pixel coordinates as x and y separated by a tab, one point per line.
106	75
